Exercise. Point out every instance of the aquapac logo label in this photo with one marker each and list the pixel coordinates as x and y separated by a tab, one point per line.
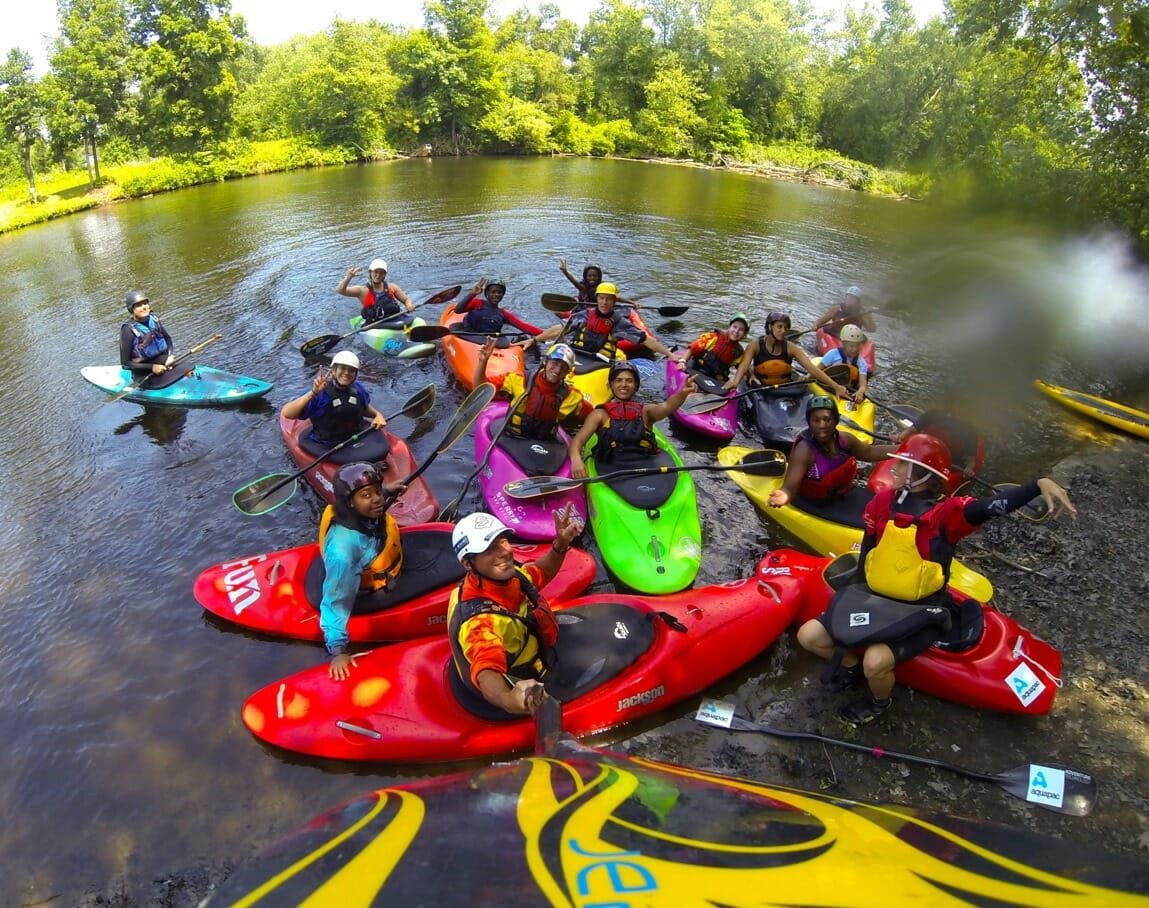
1025	684
859	619
639	699
1046	785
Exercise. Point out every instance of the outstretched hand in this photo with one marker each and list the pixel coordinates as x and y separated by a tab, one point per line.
568	525
1056	498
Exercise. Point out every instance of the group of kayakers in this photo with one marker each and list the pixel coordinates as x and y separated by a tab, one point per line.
501	628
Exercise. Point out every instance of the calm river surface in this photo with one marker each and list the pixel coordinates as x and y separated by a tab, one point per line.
124	755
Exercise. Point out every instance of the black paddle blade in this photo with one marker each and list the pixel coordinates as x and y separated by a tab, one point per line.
1056	788
761	463
672	311
265	494
318	346
704	403
558	302
421	334
419	404
467	413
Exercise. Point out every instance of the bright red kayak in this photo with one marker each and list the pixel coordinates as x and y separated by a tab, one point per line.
416	505
463	353
278	593
620	657
994	663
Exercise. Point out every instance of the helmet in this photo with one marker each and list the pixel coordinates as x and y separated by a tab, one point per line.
822	402
345	358
377	265
495	282
925	451
740	317
606	288
778	317
854	291
134	298
563	353
621	365
354	476
475	533
852	334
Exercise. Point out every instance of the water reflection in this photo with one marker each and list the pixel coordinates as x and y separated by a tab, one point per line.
162	425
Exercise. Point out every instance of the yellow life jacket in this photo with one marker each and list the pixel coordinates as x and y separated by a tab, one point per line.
381	572
895	568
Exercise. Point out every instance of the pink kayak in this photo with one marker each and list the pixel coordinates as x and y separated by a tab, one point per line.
721	423
517	458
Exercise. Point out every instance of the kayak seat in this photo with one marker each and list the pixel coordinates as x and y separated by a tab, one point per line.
840	572
429	564
596	643
777	416
371	448
536	456
967	629
395	322
844	509
647	492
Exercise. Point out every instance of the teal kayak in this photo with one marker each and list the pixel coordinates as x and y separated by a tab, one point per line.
393	341
199	386
647	526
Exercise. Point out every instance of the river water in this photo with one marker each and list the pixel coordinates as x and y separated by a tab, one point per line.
124	754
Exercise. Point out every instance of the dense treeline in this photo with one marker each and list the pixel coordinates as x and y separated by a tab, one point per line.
1017	104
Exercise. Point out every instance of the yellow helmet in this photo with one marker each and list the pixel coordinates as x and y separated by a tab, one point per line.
607	288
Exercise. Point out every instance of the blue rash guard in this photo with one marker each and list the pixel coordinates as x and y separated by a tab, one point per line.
346	554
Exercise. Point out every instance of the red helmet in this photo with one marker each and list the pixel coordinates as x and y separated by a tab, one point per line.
925	451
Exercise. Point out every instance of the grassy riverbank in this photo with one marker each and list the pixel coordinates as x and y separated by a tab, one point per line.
64	192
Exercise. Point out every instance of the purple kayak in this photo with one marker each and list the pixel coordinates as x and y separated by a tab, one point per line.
517	458
721	423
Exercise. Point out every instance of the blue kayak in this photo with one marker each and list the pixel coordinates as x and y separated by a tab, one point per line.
198	386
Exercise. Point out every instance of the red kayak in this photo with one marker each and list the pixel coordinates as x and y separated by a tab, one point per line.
278	593
828	341
416	505
463	352
620	657
991	662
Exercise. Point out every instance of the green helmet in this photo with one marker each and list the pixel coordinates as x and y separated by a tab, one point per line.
822	402
740	317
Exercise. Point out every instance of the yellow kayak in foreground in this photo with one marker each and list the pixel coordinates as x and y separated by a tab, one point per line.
832	528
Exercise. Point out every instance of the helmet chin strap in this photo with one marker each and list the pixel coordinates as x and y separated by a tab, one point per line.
912	485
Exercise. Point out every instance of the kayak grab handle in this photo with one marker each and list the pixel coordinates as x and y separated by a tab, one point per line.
358	729
764	586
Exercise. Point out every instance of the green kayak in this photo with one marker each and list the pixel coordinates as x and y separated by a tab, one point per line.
394	341
647	525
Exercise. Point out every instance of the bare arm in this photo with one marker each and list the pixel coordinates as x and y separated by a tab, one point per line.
359	291
743	365
568	275
401	296
800	459
823	379
592	424
293	409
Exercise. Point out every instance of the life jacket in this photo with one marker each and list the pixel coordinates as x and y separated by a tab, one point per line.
852	365
718	354
596	335
379	304
486	318
343	415
384	569
147	344
895	568
535	656
773	368
538	415
829	475
842	317
625	430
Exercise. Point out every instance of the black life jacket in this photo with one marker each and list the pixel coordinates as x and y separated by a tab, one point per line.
626	431
773	368
597	334
486	318
343	415
379	305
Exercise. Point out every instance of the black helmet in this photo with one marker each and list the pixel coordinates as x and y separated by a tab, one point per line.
134	298
823	402
353	477
622	365
496	282
777	317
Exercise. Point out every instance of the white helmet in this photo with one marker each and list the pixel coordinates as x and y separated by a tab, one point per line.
377	265
855	290
852	334
345	358
476	533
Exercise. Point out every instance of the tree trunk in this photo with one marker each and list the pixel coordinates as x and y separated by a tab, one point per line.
95	157
28	172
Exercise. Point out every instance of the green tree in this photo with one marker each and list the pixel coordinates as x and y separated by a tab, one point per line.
21	109
670	121
187	84
90	61
620	47
514	125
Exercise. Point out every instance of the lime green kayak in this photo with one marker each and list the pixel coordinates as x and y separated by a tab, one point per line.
647	526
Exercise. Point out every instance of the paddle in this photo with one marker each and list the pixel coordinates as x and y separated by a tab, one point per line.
259	497
794	335
556	302
140	382
760	463
1056	788
451	509
424	333
318	346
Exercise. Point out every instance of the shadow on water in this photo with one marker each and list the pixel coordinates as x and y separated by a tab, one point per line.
162	425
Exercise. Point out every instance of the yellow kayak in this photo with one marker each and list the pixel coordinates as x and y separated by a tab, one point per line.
832	528
857	419
1119	416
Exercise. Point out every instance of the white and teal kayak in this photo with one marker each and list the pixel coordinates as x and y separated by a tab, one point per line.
393	341
646	525
196	386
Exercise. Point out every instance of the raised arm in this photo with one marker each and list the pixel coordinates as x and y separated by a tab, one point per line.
359	291
652	413
744	365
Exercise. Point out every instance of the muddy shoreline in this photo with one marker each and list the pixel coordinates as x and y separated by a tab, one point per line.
1078	583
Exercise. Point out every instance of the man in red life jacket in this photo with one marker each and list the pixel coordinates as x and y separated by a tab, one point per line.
550	399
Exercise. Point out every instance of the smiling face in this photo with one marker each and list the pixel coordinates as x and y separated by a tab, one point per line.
141	311
624	385
592	275
555	370
736	331
377	276
497	562
606	303
368	502
344	375
495	293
